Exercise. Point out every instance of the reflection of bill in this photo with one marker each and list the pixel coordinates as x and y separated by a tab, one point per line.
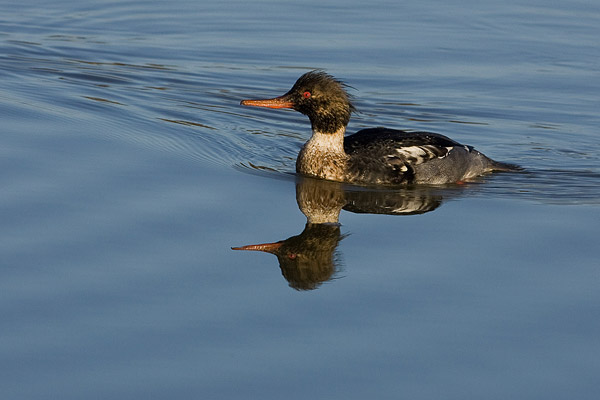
310	258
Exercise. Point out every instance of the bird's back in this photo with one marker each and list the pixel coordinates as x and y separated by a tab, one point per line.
390	156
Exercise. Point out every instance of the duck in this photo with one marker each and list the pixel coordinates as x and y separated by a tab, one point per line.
372	156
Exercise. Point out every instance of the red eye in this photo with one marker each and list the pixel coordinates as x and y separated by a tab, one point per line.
292	256
306	94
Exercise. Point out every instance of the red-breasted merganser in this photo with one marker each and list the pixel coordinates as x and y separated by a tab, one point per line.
375	155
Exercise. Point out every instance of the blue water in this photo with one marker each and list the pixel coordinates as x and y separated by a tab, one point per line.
129	170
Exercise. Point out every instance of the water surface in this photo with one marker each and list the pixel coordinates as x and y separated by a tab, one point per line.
129	170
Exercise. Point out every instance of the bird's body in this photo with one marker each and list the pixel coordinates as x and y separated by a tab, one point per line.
375	155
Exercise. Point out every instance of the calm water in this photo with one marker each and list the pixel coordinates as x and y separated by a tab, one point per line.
129	170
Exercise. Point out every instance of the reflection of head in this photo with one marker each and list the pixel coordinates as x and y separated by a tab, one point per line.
306	260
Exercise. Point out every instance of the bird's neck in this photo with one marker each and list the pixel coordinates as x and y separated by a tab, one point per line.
327	142
323	156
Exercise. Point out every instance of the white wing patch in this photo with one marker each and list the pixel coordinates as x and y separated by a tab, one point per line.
420	154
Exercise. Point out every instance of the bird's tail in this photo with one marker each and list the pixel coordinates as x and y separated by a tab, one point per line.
504	167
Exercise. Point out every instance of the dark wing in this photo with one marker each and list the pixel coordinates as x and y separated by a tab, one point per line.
392	154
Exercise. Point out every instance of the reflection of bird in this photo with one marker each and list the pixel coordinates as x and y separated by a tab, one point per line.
310	258
376	155
306	260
